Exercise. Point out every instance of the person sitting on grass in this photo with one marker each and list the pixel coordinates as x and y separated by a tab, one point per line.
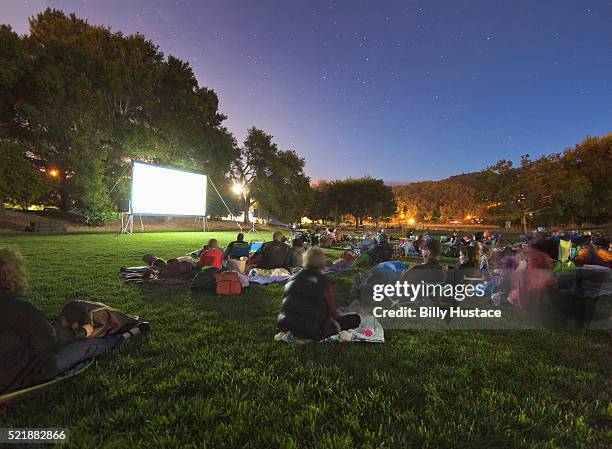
230	247
468	266
485	265
596	253
531	285
382	251
211	255
308	310
271	254
30	351
430	271
295	254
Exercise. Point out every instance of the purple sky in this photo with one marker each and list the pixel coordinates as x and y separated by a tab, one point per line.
402	90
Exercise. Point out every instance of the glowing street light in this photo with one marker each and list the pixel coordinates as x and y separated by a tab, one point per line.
468	217
53	173
411	220
237	188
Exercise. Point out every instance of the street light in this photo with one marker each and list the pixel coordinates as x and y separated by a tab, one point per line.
53	173
237	188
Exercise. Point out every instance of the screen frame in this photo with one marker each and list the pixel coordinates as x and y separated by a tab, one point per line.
167	168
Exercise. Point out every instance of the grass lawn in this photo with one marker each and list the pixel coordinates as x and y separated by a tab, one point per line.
209	374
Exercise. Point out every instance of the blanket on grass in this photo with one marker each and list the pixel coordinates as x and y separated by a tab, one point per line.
369	331
263	276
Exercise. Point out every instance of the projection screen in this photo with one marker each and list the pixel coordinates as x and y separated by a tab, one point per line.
167	191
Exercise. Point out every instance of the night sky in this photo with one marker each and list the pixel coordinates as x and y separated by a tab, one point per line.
401	90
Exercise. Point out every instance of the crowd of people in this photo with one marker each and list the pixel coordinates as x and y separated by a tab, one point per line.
521	274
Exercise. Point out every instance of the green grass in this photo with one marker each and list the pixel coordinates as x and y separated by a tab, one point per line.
210	375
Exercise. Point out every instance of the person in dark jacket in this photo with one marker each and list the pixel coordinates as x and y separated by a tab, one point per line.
272	254
230	247
308	310
382	251
30	352
430	271
468	268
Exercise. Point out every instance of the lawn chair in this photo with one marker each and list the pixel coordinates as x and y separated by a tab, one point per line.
239	249
564	263
255	246
19	395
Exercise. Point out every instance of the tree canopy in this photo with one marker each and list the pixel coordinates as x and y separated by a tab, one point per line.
85	101
270	178
568	188
362	198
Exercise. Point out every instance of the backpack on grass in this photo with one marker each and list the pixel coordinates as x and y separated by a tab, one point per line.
205	280
228	283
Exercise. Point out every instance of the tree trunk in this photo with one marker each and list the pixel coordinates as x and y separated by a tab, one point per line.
64	196
247	203
524	223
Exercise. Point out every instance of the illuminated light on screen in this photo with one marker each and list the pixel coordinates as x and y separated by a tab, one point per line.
166	191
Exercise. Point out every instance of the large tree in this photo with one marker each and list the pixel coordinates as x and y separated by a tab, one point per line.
270	178
362	198
429	200
86	100
561	188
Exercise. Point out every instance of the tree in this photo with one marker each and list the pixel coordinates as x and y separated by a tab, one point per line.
362	198
512	192
271	178
437	200
321	207
86	100
21	183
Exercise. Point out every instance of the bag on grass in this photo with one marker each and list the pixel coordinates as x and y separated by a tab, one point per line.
228	283
205	280
104	320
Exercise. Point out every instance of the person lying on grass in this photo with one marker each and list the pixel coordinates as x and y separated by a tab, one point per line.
308	310
30	352
170	269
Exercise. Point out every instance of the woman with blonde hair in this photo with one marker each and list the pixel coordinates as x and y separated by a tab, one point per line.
309	310
30	352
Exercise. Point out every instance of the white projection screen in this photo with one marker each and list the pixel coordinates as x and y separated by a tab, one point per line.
167	191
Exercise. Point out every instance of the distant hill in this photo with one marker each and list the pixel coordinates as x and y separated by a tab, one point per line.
466	179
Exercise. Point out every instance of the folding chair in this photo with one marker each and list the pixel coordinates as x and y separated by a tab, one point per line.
14	396
239	249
